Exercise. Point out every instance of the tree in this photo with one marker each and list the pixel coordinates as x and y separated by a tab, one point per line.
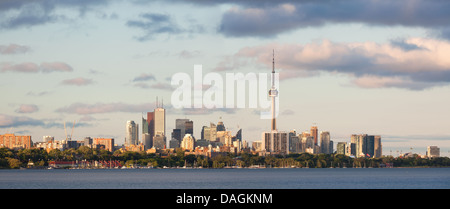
13	163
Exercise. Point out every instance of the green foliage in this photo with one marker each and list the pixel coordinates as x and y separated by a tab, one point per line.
16	159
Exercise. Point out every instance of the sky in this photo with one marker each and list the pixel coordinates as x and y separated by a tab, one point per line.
348	67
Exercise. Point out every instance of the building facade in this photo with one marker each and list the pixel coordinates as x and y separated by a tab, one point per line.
132	133
433	151
12	141
107	143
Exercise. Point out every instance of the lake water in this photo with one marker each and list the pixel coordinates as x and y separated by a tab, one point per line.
295	178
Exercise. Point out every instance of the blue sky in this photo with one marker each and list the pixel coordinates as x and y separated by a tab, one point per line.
350	67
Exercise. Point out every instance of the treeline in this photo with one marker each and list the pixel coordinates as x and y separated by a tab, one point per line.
40	158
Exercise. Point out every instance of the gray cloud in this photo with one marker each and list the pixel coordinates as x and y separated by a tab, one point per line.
271	18
144	77
153	24
7	121
26	13
414	63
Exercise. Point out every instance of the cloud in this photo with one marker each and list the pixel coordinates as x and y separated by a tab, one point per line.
85	109
26	67
274	17
27	108
29	67
414	63
24	13
189	54
16	121
144	77
77	81
42	93
153	24
13	49
47	67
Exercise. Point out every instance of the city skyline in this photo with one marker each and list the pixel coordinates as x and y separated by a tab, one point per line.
380	68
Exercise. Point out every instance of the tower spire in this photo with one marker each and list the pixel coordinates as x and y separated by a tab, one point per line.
273	61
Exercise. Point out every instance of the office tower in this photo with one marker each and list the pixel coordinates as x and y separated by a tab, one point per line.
433	151
189	127
378	150
210	133
239	135
314	134
188	142
325	142
144	126
361	145
294	142
341	148
176	134
147	141
160	121
202	133
220	126
132	133
370	148
181	124
151	124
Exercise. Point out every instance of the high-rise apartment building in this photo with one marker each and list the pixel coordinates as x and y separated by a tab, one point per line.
107	143
12	141
378	149
433	151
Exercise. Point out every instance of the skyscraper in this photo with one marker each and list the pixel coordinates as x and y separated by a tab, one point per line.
325	142
132	133
315	134
377	146
181	124
159	135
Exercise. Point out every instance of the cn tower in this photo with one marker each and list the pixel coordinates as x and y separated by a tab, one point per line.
273	92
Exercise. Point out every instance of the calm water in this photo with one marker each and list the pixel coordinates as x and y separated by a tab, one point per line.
326	178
